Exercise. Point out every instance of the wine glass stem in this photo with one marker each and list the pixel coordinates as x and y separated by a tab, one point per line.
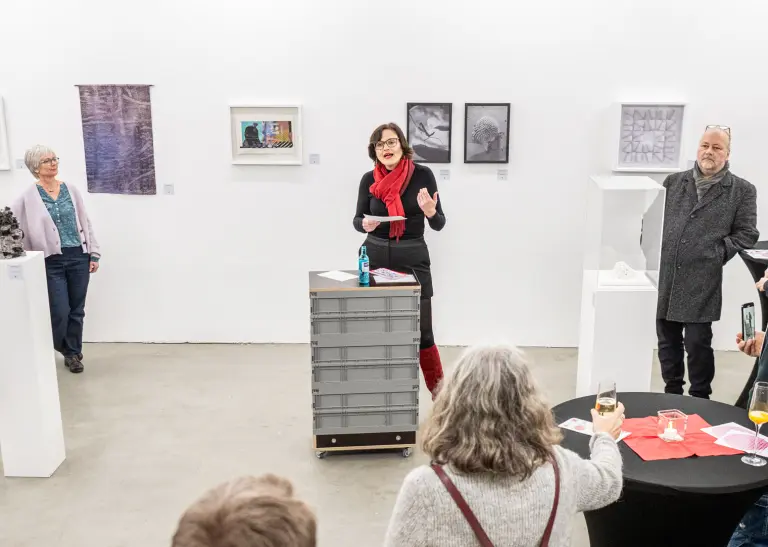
757	434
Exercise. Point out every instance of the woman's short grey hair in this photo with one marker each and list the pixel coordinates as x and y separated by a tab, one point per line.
34	155
489	416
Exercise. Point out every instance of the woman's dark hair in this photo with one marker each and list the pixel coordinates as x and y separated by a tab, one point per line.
376	137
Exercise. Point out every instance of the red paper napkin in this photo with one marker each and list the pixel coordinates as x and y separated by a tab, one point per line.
646	443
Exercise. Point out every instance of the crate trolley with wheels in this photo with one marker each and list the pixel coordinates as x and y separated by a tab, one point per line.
365	365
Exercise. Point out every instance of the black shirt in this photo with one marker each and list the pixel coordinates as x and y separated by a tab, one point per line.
367	204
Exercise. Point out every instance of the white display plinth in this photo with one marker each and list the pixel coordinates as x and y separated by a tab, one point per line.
618	335
625	216
31	435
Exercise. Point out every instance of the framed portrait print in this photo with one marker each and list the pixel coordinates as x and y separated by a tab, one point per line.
429	131
266	135
486	132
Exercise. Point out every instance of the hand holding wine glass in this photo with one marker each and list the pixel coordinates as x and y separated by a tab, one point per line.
606	397
758	414
609	422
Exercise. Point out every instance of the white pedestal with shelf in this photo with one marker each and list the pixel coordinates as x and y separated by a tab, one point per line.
624	222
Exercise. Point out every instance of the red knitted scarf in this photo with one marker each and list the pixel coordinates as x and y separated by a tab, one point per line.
387	187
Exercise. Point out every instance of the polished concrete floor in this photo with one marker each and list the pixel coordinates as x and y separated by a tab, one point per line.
150	427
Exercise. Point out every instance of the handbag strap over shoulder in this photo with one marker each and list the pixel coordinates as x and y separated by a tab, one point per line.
482	537
551	523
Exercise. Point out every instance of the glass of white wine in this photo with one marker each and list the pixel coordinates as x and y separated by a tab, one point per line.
606	397
758	414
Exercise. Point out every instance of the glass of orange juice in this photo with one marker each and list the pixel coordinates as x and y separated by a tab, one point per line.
758	414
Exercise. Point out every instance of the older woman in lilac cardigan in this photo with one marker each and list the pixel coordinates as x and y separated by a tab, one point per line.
54	220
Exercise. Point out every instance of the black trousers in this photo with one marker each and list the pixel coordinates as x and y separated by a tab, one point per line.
675	339
409	255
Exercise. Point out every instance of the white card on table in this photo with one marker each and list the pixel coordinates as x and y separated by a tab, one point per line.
582	426
744	441
719	431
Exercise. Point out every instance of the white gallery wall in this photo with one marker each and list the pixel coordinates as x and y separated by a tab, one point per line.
225	258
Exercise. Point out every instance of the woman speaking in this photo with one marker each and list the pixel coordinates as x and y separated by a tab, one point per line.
398	187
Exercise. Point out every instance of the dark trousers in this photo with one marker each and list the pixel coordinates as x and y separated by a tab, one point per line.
675	339
753	528
68	276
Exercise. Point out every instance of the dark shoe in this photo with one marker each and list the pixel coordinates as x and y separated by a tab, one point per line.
79	356
73	364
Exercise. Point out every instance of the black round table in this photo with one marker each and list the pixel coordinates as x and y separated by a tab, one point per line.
692	501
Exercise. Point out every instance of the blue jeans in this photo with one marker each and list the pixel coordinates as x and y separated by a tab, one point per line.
752	531
68	276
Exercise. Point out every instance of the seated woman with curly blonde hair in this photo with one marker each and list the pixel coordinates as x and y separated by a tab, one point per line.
498	475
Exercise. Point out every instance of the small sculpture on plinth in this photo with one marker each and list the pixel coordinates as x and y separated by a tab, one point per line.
11	235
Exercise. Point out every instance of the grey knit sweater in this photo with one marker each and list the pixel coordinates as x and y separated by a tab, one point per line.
512	513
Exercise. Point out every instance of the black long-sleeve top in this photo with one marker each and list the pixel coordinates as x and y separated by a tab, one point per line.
367	204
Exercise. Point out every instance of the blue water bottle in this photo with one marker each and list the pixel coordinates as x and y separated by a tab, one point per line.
363	267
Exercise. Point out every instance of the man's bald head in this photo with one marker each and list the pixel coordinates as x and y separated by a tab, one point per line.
714	150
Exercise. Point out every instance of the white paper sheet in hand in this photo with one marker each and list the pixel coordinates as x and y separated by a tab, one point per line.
383	219
582	426
336	275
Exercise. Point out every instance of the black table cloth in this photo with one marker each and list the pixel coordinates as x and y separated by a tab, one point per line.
692	501
756	267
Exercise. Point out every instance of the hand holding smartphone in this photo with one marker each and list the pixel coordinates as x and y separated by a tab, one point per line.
748	321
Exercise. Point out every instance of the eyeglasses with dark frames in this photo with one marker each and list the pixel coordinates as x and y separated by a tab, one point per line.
49	160
389	143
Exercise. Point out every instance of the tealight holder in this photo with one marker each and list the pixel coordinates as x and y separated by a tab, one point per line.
672	425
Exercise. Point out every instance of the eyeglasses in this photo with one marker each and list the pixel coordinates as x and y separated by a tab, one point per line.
389	143
721	127
49	160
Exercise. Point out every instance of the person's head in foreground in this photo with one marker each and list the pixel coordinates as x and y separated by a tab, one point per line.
248	512
490	416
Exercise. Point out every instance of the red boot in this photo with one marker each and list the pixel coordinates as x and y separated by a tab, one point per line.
431	368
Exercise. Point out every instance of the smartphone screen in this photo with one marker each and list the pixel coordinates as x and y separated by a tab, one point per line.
748	321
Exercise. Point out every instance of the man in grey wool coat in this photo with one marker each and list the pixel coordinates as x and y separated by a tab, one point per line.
710	215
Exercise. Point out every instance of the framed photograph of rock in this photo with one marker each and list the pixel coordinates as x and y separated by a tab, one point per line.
649	137
5	152
429	131
266	135
486	132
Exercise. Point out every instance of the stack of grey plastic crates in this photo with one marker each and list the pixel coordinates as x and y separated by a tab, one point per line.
365	365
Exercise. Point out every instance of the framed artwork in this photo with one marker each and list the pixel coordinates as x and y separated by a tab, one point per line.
118	139
486	132
266	135
429	131
5	152
649	137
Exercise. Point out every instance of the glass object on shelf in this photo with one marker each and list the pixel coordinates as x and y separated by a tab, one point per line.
624	221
